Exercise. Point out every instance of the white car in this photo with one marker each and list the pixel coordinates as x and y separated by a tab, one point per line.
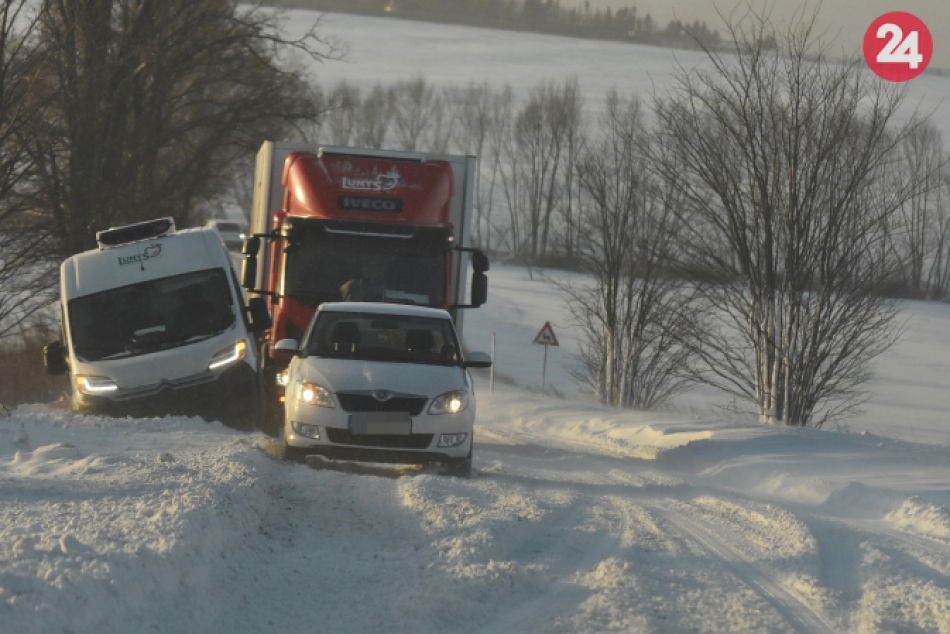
381	383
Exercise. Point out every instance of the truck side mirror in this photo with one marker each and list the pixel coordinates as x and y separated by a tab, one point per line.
260	317
249	271
479	288
479	261
251	246
54	357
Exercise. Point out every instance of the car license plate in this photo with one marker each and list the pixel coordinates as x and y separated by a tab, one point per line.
381	424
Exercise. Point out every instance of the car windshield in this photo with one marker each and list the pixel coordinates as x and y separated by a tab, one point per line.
380	337
232	227
324	271
151	316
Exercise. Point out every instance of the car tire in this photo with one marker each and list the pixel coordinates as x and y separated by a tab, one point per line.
295	454
272	419
459	467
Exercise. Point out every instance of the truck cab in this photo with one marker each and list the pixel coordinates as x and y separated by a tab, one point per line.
357	225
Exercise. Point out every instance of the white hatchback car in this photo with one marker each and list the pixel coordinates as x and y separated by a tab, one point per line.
381	383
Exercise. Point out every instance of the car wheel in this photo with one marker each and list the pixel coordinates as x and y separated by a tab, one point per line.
459	467
272	420
295	454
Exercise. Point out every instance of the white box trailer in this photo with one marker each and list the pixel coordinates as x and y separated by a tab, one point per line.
154	323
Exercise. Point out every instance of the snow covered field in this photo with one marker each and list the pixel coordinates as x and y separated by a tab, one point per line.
579	518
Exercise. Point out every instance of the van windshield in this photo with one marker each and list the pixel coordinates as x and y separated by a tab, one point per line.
151	316
379	337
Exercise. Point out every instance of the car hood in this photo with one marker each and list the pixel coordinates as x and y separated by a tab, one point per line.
346	375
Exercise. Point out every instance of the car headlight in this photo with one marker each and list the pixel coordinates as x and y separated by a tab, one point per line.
313	394
283	378
229	355
449	403
95	384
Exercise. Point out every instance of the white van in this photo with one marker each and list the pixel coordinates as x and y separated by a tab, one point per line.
154	324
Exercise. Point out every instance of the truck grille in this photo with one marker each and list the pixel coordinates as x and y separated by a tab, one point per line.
368	403
346	437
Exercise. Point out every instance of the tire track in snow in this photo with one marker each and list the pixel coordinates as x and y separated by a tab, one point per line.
562	594
798	615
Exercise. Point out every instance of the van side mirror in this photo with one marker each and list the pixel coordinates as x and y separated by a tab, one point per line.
251	246
477	360
479	289
249	271
260	317
54	357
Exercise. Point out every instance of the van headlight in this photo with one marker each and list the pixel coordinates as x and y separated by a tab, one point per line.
449	403
95	384
229	355
313	394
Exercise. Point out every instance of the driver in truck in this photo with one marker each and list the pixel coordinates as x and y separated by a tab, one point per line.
369	287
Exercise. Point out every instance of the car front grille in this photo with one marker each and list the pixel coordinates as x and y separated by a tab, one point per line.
368	403
411	441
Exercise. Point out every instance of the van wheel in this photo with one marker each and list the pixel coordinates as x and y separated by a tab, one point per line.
295	454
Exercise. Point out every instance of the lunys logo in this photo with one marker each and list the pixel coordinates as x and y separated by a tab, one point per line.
150	253
381	183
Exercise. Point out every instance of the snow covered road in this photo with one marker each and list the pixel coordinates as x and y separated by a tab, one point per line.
578	520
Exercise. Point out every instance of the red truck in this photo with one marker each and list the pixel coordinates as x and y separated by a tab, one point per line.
345	224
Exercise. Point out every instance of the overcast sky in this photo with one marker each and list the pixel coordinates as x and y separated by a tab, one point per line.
845	21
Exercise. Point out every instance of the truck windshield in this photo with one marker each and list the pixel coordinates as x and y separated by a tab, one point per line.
151	316
351	271
393	338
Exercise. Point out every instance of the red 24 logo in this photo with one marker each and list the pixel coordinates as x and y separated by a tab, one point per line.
898	46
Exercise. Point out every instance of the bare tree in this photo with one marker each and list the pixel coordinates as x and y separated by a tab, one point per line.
147	105
776	152
27	270
916	235
538	159
635	316
419	117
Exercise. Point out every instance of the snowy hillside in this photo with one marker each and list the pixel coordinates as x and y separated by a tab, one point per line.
386	50
579	519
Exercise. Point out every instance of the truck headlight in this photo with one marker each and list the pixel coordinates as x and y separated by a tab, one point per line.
95	384
449	403
313	394
229	355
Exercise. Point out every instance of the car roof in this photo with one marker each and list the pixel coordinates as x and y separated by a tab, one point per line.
378	308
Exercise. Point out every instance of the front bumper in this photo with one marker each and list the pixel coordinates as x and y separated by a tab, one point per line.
208	395
337	442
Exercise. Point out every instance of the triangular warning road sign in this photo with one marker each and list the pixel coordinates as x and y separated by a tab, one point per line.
546	336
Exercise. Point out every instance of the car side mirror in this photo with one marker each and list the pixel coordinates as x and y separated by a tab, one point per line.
54	357
260	317
477	360
479	289
249	272
287	346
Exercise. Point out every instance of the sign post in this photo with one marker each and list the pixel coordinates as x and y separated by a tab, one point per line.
545	338
491	381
